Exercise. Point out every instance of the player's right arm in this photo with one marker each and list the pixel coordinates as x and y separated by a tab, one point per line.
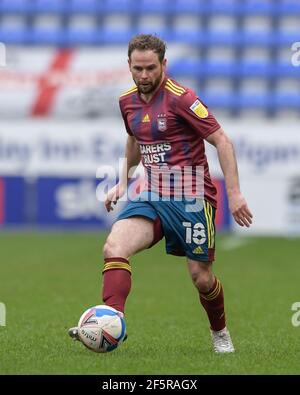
132	159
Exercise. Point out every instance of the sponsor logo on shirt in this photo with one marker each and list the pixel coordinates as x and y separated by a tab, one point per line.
154	153
199	109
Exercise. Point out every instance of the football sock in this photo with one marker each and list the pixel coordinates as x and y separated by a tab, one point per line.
116	282
213	303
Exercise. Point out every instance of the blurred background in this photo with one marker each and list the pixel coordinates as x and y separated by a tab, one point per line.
66	66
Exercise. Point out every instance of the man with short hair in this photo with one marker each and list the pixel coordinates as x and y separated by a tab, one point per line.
167	124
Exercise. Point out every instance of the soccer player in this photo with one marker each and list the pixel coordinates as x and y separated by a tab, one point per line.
167	124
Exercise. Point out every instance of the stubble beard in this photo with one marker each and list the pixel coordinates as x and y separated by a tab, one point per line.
150	87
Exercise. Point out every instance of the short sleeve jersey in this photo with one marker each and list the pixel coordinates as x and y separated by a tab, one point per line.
170	130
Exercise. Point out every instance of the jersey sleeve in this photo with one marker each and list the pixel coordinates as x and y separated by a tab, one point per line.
128	130
196	114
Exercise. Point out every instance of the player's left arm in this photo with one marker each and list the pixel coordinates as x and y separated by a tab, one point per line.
237	203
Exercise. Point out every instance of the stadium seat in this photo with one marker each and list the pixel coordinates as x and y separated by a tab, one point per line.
194	37
161	7
14	6
230	40
240	101
87	6
117	6
236	38
49	6
166	7
233	69
98	36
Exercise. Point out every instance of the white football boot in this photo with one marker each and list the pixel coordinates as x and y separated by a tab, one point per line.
222	341
73	332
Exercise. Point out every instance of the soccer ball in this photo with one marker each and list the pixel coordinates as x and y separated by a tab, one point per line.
101	328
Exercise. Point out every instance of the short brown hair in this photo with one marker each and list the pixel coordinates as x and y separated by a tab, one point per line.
144	42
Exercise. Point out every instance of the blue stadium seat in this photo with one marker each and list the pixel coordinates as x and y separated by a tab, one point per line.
119	6
210	38
154	7
290	7
241	69
165	7
87	6
287	100
206	39
80	37
267	101
49	6
98	36
14	6
202	33
14	36
236	7
35	36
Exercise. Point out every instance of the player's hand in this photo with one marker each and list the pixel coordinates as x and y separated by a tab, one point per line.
113	196
239	210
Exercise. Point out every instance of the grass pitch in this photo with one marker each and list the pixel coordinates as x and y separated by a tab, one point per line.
47	280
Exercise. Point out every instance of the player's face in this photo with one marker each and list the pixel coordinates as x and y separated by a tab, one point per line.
146	69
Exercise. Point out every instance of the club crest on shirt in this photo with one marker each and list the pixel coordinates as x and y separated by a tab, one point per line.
162	122
199	109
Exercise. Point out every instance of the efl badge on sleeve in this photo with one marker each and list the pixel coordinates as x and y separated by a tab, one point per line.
199	109
162	122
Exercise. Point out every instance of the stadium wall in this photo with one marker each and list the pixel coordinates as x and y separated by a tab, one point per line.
48	172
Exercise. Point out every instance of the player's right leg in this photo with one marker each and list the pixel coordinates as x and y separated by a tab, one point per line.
138	227
127	237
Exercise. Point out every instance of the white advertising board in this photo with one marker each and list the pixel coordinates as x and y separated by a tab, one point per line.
268	156
39	148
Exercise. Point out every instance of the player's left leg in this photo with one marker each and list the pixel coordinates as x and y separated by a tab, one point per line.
212	299
210	292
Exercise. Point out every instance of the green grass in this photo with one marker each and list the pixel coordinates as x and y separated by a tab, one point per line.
47	281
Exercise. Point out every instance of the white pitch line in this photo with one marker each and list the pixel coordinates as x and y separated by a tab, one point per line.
234	242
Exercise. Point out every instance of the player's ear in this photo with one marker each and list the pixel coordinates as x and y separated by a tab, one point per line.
129	63
164	63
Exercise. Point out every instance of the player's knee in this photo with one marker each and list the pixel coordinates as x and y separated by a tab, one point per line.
112	249
109	249
202	282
